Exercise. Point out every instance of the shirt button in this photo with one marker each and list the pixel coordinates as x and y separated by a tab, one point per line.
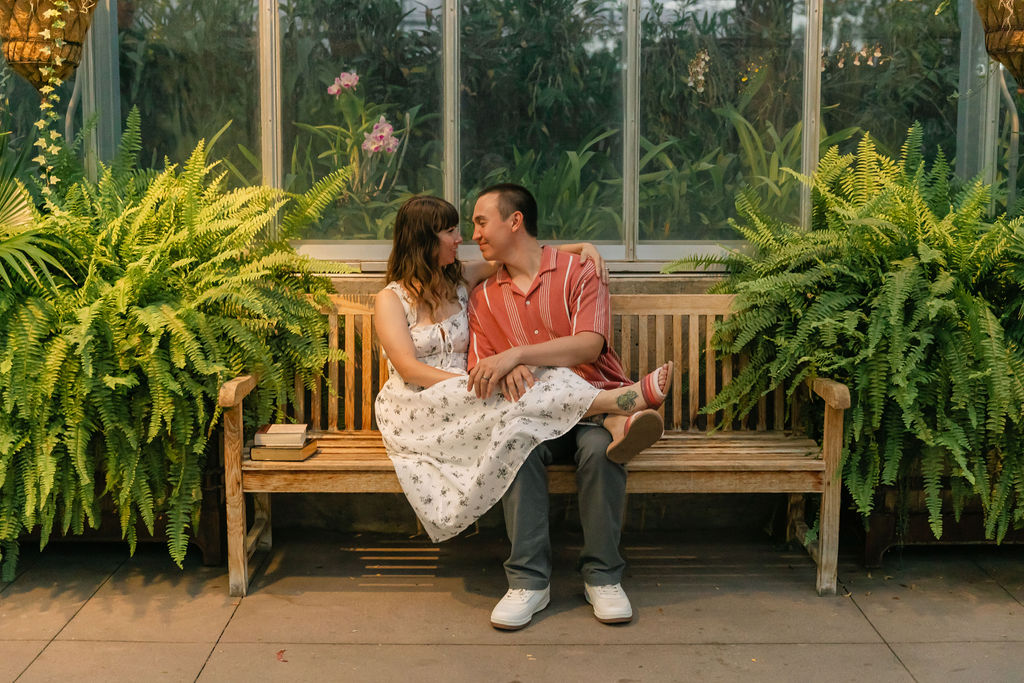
527	302
536	331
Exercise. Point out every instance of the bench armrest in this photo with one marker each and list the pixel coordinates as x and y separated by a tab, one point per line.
836	394
234	390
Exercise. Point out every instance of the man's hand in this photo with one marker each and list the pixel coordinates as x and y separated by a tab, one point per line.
486	376
516	383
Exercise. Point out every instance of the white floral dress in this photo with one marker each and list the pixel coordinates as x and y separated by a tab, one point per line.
455	454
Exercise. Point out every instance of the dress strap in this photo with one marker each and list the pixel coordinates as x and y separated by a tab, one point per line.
407	302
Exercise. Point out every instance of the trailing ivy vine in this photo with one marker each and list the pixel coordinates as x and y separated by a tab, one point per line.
109	378
902	290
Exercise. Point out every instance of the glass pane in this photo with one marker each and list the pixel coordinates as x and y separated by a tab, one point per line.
393	48
1009	178
542	106
720	109
888	63
190	66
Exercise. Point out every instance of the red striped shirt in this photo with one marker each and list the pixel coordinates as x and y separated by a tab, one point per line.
566	297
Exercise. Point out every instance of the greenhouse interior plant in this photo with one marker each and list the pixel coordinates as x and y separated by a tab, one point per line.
168	284
906	291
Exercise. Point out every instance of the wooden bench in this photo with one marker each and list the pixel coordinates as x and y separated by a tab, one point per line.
760	454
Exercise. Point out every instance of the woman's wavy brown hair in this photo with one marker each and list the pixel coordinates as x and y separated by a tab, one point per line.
413	260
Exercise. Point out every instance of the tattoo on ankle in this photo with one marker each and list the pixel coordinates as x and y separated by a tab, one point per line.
627	400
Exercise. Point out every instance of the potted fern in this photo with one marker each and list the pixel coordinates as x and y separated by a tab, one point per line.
109	377
904	291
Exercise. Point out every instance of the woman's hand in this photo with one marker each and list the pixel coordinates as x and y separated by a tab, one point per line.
588	251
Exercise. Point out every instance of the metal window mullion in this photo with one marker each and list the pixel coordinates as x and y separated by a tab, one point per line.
270	92
99	83
631	133
812	104
450	95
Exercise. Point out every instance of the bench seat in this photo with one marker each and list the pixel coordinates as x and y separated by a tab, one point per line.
356	462
766	452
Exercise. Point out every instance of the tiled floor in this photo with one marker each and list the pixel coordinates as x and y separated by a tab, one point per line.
384	608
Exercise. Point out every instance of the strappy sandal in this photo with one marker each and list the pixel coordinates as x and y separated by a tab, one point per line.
642	430
654	395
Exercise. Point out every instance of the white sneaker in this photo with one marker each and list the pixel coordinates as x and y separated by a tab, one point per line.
517	608
611	606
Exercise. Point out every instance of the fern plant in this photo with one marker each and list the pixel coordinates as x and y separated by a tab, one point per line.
109	381
900	290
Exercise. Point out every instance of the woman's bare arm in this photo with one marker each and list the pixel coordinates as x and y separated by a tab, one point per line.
393	332
476	272
587	251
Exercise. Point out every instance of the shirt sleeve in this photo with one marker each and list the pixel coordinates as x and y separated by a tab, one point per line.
479	346
590	303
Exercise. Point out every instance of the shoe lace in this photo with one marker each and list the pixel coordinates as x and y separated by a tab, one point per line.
517	594
609	591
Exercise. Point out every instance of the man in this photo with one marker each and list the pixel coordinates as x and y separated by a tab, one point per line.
547	308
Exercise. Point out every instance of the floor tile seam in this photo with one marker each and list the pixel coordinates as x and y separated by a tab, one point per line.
146	641
980	641
213	646
645	643
21	572
72	617
860	609
999	583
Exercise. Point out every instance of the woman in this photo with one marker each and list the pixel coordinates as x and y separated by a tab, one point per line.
456	454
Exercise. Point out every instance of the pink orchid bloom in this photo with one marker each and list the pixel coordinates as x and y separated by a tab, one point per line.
347	80
381	138
383	128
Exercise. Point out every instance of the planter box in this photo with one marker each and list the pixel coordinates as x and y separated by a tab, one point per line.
889	526
207	536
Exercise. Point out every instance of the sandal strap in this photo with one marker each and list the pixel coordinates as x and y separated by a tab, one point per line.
653	395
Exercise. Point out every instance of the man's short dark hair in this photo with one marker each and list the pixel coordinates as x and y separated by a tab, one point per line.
512	198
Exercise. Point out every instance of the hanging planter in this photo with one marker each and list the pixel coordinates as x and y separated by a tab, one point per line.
1003	21
41	33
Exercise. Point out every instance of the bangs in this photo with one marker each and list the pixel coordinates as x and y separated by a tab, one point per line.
447	217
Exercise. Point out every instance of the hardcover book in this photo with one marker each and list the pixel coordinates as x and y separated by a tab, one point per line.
299	453
281	435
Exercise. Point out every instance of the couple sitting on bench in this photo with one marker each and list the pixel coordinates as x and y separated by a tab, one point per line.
531	326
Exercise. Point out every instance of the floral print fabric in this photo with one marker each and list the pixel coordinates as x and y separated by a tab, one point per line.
456	455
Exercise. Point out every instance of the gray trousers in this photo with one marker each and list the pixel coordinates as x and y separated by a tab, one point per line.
602	497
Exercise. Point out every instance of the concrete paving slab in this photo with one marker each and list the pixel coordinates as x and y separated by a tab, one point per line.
382	590
150	599
968	662
1005	564
935	595
16	655
290	661
44	597
86	661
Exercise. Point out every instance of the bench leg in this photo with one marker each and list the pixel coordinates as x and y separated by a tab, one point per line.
795	518
238	558
261	502
828	535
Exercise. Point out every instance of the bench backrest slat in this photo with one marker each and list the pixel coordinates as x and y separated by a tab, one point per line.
647	329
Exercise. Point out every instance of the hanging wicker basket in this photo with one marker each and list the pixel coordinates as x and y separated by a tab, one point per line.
22	23
1004	34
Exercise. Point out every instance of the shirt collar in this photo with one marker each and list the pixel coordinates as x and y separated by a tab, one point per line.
548	261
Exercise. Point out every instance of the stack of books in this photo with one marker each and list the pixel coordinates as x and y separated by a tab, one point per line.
282	442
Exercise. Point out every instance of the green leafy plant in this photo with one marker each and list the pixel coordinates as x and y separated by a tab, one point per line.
109	382
24	253
573	201
899	291
766	157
